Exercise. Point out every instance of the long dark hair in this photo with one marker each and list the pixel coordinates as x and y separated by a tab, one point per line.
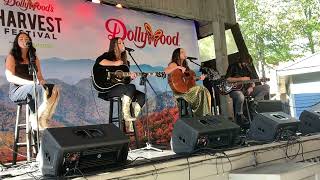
16	50
176	59
113	47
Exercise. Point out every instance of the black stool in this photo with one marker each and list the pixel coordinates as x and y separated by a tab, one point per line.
29	142
118	119
184	108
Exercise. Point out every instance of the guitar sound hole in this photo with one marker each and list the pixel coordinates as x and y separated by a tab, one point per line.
119	74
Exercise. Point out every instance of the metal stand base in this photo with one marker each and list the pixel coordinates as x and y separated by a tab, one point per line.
148	147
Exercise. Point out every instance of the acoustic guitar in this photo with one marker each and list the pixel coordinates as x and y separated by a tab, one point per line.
106	77
182	82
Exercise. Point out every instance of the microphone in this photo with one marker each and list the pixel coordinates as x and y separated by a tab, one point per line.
29	43
191	58
129	49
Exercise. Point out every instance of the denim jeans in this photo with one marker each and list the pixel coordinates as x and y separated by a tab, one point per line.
25	92
238	97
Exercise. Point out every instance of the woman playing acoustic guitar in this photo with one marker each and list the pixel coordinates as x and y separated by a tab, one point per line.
182	82
116	59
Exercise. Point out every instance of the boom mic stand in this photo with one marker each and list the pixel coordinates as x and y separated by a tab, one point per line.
33	71
194	62
143	81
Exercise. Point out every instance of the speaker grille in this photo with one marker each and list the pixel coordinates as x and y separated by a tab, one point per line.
99	159
94	157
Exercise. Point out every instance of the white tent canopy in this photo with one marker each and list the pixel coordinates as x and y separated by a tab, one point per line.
304	65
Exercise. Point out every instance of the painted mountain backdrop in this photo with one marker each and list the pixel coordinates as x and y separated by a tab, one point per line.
78	103
72	71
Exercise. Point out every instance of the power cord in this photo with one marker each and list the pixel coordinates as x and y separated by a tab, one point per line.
301	107
150	160
291	141
13	151
189	169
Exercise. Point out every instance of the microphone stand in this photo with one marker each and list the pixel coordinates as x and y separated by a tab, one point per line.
135	62
143	81
194	62
33	71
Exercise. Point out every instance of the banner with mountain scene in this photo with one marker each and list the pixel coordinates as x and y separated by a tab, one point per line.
70	35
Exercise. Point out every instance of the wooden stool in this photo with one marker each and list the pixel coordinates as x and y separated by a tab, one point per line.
20	126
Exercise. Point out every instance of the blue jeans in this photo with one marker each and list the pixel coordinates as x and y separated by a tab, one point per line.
25	92
238	97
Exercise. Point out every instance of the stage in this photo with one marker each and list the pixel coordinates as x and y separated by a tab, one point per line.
149	164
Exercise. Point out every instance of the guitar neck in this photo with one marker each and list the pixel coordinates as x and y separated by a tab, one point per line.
148	74
140	73
252	81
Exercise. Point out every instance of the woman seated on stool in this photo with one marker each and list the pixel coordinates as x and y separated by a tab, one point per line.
22	85
117	56
197	96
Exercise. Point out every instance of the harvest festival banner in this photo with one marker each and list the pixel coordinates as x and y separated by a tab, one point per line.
70	35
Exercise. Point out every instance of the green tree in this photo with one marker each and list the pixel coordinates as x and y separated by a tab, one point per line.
206	48
306	23
267	35
276	30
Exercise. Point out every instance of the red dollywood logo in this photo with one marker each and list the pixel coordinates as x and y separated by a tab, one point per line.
116	28
29	4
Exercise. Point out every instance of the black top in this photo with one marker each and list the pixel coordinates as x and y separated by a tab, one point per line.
22	71
234	70
107	55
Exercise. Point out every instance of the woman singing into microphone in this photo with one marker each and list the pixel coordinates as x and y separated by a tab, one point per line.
22	84
116	57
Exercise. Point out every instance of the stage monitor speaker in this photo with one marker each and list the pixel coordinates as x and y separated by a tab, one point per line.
190	134
310	121
269	106
270	126
82	148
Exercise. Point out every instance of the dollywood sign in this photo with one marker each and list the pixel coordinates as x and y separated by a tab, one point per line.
117	28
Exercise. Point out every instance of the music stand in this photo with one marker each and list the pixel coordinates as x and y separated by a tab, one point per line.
143	81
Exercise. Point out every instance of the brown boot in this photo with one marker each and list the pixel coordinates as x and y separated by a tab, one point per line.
48	107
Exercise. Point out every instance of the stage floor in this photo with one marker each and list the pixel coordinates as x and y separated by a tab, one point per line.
137	157
150	164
